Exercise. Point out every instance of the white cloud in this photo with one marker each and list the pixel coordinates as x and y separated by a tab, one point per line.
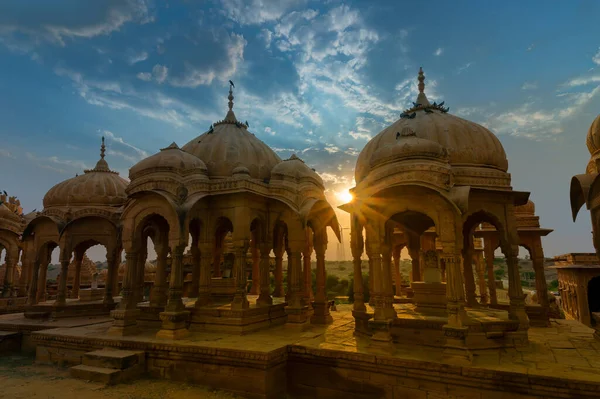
596	58
270	131
160	72
5	153
134	58
438	51
463	68
57	164
529	86
248	12
583	81
115	139
145	76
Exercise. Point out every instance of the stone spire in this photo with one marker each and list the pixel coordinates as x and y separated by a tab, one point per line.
230	115
101	165
422	98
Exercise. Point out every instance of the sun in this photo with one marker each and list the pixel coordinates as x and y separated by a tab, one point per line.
345	196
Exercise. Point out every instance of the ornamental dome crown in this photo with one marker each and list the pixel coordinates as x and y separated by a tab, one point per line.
169	159
228	145
96	187
294	168
593	136
468	143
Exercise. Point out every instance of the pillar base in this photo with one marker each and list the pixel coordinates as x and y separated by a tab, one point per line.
381	340
174	325
297	315
124	323
240	302
516	311
264	300
456	349
321	313
361	322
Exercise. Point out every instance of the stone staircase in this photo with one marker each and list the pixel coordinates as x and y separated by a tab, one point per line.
110	366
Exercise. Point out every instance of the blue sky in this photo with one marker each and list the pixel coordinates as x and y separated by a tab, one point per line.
315	78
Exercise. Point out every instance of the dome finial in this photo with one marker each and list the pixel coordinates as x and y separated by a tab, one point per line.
231	86
421	80
230	117
102	148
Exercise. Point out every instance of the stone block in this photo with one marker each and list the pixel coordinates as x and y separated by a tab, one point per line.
98	374
113	358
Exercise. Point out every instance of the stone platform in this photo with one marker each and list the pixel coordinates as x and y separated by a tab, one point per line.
73	308
562	361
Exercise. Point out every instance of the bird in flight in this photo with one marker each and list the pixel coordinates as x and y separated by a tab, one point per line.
231	83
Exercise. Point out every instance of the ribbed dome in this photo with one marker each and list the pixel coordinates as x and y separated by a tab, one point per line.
468	143
96	187
229	145
6	213
408	146
593	137
527	209
295	168
170	159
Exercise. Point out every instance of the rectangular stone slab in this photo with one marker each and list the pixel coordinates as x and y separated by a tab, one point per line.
113	358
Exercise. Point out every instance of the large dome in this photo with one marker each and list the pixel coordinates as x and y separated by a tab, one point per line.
96	187
468	143
229	145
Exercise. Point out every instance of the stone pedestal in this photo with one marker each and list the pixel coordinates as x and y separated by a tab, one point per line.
381	340
124	323
91	294
321	313
456	348
429	297
361	322
174	325
297	315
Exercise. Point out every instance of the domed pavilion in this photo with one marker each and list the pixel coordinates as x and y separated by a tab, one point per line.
78	213
225	182
433	170
12	223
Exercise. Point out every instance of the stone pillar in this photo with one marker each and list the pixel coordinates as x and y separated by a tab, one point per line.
387	293
125	316
480	267
217	257
307	275
264	299
113	257
195	287
468	275
537	258
414	251
174	318
159	290
321	307
455	330
356	245
139	277
205	275
10	260
41	291
278	291
33	285
515	291
61	297
488	249
374	254
371	284
288	288
296	309
255	288
77	276
240	300
397	274
25	274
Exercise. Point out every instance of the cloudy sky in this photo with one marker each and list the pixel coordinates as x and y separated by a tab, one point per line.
318	78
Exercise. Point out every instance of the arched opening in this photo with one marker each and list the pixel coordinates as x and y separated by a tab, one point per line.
593	292
88	270
280	245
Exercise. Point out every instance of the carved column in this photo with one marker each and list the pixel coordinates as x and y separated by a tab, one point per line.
112	258
321	308
288	288
455	330
278	291
33	285
79	254
371	284
125	316
61	297
414	250
356	245
255	288
515	291
26	270
195	286
307	275
374	254
397	274
469	278
537	258
139	277
387	294
217	257
296	308
10	260
159	290
264	299
240	300
174	318
205	278
41	291
480	267
488	249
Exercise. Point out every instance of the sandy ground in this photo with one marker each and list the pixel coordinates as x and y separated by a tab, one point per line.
20	378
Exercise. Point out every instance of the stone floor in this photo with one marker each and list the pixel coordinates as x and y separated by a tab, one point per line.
566	349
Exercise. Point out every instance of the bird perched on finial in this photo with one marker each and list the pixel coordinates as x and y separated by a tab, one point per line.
231	83
247	124
4	192
428	111
412	116
442	103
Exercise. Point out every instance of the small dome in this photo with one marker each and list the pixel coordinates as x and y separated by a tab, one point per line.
170	159
96	187
6	213
408	146
527	209
228	144
593	137
295	168
468	143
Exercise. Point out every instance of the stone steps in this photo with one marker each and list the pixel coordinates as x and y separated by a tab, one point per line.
110	366
10	341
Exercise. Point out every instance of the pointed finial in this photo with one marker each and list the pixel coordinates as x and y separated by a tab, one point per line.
231	86
421	80
102	148
422	98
